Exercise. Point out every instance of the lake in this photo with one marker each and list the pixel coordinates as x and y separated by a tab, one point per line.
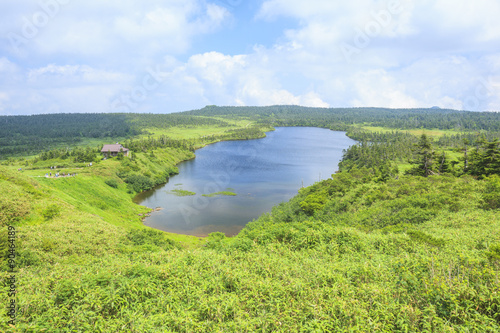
262	173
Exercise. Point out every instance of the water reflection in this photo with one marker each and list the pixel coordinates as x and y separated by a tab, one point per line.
261	172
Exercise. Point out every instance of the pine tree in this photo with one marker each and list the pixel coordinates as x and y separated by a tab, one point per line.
491	158
425	155
444	164
466	159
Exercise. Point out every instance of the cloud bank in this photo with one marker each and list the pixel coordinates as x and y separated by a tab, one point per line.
128	56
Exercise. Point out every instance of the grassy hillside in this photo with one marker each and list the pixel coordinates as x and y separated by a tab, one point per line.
369	250
405	255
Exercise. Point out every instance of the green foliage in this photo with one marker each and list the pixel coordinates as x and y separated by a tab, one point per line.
4	247
425	238
146	237
182	193
444	164
314	202
13	209
16	196
320	272
491	194
51	211
215	240
48	245
425	158
139	183
368	250
112	182
227	193
494	253
342	118
144	173
377	152
485	159
76	155
32	134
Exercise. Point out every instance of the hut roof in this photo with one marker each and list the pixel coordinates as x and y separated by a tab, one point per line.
116	148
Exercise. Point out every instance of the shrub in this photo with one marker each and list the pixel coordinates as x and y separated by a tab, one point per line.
13	209
494	253
215	240
422	237
98	204
112	182
139	183
148	237
242	244
51	211
314	202
491	195
48	245
27	258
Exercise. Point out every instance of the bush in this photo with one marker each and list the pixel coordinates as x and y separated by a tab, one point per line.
422	237
139	183
242	244
148	237
314	202
13	209
494	253
112	182
27	258
215	240
48	245
491	195
51	211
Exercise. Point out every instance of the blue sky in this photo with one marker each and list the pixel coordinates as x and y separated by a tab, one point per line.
165	56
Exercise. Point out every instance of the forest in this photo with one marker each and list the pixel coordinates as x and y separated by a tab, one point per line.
405	237
29	135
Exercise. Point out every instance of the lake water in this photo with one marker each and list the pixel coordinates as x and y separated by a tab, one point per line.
262	172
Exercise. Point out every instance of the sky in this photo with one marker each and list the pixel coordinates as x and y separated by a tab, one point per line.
163	56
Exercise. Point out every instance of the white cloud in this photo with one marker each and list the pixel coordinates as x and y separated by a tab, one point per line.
215	78
378	88
4	99
79	74
416	56
6	66
89	54
108	30
54	88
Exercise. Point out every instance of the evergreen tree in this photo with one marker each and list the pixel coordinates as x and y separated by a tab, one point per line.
425	156
491	158
485	159
466	159
444	164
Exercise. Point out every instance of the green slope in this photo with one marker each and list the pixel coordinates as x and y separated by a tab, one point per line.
406	255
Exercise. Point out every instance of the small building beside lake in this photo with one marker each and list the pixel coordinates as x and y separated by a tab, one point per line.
113	150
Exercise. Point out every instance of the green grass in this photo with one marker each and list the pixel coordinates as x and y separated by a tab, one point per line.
434	133
320	272
86	193
348	254
181	193
182	132
227	193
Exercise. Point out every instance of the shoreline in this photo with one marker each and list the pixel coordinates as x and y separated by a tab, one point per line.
204	234
135	198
